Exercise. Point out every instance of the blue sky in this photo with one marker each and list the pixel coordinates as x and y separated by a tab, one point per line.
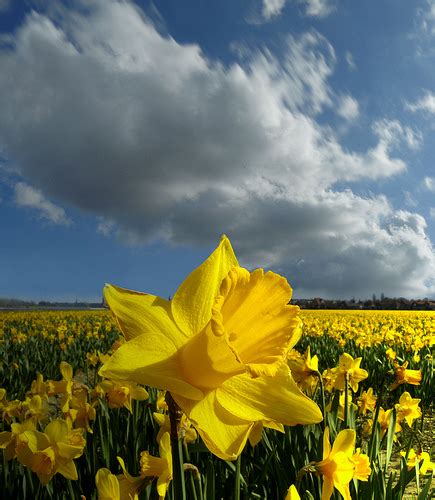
134	134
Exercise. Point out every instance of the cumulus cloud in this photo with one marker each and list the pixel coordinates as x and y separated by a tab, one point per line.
26	196
159	142
425	103
348	107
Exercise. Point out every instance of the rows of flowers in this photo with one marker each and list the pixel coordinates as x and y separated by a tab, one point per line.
225	391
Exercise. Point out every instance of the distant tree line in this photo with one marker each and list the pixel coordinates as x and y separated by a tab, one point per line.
8	303
387	303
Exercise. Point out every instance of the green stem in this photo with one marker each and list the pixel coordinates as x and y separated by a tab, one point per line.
177	451
237	481
346	401
322	399
375	419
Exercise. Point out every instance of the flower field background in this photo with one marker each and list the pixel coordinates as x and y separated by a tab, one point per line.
76	423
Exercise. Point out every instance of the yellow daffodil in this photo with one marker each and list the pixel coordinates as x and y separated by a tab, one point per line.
391	354
413	457
121	394
362	465
62	387
405	376
328	376
107	485
304	369
367	401
160	467
9	439
340	464
127	487
52	451
219	347
336	467
349	367
384	418
292	493
408	409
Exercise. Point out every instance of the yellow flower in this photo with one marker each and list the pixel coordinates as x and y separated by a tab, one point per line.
160	467
337	467
367	401
107	485
405	376
63	387
328	376
127	487
384	418
347	366
340	464
219	347
51	451
292	493
408	408
92	358
427	465
121	394
391	354
9	439
304	369
362	465
120	487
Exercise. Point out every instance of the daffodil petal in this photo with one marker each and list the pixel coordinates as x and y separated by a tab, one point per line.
137	313
107	485
344	490
223	433
328	488
326	444
292	493
193	301
151	359
57	430
268	398
345	442
68	470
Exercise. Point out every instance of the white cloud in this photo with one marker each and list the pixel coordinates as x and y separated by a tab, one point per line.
318	8
312	8
429	183
348	108
272	8
391	133
425	103
27	196
104	113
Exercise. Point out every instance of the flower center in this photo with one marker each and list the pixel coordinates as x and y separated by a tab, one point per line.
252	327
